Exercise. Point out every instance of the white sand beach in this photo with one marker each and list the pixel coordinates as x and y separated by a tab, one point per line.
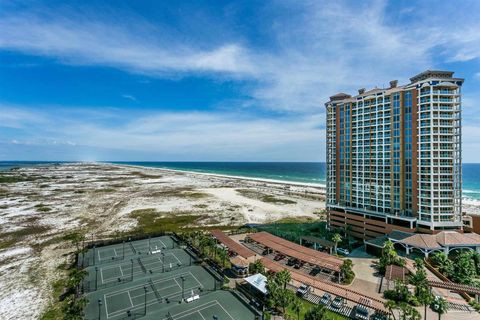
99	198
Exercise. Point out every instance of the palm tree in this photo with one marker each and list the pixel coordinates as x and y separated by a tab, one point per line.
337	238
283	278
297	307
440	305
425	297
390	305
285	298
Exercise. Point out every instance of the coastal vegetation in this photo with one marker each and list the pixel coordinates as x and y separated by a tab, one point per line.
264	197
66	302
463	267
151	221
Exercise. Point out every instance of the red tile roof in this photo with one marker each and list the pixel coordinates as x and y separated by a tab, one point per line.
330	287
232	245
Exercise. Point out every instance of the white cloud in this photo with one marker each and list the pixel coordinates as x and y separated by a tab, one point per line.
321	48
129	97
187	135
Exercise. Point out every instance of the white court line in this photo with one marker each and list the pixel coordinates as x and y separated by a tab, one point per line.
130	297
112	293
196	278
221	306
201	315
153	301
199	308
121	270
101	275
106	307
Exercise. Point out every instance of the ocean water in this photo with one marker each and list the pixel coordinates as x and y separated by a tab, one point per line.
304	172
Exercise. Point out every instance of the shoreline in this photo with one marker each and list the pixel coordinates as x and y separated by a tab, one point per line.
273	181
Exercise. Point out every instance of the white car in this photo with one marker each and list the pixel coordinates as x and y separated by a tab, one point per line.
342	251
303	290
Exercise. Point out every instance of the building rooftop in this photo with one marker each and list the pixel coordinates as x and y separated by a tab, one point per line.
431	74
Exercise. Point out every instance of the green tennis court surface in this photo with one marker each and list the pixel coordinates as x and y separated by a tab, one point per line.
127	249
132	268
138	283
222	304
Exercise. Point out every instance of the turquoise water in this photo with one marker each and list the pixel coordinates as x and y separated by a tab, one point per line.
304	172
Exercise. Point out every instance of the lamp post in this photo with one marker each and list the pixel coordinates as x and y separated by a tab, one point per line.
149	247
146	290
99	308
131	273
94	254
183	287
123	250
96	278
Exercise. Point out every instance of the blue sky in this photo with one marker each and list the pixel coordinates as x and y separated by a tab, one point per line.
213	80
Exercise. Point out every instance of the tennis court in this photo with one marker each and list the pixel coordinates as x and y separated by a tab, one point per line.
221	305
157	291
139	266
127	249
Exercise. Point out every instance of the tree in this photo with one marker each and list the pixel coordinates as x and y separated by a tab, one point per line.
409	312
285	298
425	298
440	306
443	263
297	307
389	256
337	238
256	267
283	278
390	305
419	278
464	269
347	272
316	313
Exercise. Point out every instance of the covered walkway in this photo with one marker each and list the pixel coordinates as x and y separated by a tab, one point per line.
232	245
332	288
291	249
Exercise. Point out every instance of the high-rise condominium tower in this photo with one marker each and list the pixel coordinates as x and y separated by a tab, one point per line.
394	157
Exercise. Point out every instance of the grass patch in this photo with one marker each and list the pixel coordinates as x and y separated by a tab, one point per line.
264	197
180	193
8	239
306	306
151	221
105	190
14	178
42	208
4	244
296	220
3	192
201	206
272	199
144	175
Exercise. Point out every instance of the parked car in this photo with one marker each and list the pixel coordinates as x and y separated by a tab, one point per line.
266	251
342	251
278	257
298	265
315	271
337	303
361	313
325	298
291	261
303	290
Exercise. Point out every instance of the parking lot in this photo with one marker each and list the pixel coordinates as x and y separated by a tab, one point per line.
305	268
